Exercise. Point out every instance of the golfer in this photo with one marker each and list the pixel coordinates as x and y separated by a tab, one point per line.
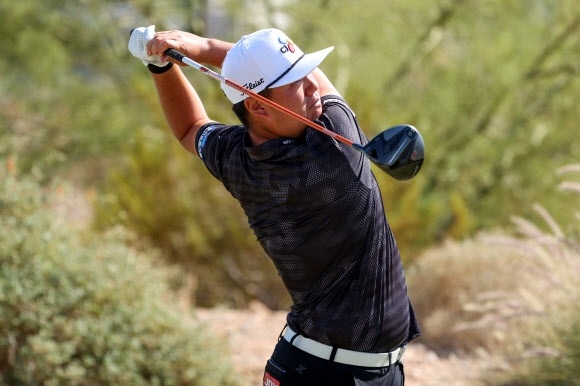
313	203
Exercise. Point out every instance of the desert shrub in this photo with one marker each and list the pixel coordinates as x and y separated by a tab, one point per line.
494	290
86	309
511	297
549	347
455	286
550	355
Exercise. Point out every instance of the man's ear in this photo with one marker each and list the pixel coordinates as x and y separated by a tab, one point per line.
255	107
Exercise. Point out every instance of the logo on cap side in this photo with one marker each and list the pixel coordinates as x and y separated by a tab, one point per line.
287	45
253	85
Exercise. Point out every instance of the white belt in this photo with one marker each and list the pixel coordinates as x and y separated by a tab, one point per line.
347	357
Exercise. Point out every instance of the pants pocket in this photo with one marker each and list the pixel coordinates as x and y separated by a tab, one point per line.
275	367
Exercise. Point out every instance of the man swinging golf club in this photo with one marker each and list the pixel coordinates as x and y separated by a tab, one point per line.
312	201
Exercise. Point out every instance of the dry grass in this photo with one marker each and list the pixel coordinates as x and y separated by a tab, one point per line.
465	294
515	298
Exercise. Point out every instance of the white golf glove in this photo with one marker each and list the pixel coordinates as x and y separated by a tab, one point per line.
138	46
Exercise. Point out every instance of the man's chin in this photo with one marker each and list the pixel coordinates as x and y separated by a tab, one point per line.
316	113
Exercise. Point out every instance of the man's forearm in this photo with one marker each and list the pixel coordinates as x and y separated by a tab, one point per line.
216	51
181	105
183	109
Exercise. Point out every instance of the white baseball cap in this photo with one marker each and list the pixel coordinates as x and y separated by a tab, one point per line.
266	59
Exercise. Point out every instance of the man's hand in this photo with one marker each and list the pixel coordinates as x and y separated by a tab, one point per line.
194	47
200	49
138	46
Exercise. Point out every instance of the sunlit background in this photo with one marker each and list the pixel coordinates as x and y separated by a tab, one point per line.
107	226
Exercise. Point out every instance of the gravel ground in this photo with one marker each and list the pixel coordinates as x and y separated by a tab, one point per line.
252	334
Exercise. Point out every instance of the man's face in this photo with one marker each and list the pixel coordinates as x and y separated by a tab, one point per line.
300	97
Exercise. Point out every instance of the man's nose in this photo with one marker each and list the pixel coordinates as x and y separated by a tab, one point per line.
311	85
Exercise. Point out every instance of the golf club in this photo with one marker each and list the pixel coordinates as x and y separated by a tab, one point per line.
399	150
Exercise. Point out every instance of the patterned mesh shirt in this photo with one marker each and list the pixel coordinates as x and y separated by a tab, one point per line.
316	209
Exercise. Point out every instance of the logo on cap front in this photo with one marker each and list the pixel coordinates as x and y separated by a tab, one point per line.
287	45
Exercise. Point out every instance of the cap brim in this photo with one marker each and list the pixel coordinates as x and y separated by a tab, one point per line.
303	67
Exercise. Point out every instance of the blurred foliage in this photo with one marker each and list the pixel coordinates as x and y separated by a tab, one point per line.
512	300
491	85
549	348
82	309
554	362
447	284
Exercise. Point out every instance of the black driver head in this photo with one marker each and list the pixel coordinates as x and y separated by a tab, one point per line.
399	151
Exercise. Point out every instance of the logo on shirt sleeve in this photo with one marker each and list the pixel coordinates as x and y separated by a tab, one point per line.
203	139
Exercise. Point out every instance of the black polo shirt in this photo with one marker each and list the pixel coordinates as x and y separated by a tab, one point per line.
316	209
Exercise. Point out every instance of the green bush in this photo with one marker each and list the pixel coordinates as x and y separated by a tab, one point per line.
86	309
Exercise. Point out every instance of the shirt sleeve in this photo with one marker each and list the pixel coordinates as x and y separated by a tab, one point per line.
215	142
339	117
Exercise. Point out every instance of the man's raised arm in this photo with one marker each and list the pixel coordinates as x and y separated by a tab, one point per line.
183	109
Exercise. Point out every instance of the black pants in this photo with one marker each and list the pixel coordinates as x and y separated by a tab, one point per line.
291	366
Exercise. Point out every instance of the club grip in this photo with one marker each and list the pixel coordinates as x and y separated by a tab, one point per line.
174	54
